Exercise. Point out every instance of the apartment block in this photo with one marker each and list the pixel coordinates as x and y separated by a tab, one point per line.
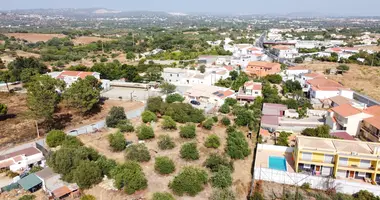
343	159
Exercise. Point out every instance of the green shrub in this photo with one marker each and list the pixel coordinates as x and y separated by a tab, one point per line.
117	141
168	123
189	151
222	194
137	152
187	131
225	109
282	140
114	116
237	146
145	132
305	186
130	177
28	197
222	178
165	142
171	98
55	138
230	101
87	197
214	161
164	165
148	116
215	118
183	112
71	142
35	169
230	129
162	196
190	180
208	124
87	174
225	121
212	141
125	126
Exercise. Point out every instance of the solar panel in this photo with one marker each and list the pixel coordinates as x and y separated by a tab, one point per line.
215	93
220	95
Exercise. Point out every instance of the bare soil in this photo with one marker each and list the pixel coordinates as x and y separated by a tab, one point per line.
18	126
35	37
158	183
363	79
89	39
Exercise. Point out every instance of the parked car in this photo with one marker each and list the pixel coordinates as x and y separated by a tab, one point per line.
194	102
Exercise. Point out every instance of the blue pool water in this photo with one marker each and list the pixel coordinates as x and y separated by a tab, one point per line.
278	163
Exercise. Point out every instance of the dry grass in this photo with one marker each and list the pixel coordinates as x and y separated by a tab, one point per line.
364	79
35	37
159	183
89	39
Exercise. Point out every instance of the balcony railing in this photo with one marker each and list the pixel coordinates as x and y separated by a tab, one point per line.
366	129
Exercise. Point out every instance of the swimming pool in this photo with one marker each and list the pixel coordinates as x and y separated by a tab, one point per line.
277	163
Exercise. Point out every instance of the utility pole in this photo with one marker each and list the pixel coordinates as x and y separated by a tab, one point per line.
38	132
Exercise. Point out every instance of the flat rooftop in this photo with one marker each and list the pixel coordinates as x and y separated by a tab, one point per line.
338	146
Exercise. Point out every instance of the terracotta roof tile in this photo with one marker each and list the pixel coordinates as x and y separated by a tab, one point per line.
325	84
61	191
346	110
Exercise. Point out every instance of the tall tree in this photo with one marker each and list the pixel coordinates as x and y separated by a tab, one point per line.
5	76
17	66
42	96
167	88
84	94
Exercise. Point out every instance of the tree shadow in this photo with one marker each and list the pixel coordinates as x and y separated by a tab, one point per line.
61	121
7	116
96	109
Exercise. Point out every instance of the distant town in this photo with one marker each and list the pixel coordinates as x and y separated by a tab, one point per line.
106	104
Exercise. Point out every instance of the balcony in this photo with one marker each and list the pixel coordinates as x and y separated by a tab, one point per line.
357	168
370	134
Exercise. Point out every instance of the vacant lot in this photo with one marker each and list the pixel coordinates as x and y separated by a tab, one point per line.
35	37
159	183
364	79
89	39
18	126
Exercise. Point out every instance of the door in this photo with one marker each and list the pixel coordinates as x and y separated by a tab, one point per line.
351	174
317	168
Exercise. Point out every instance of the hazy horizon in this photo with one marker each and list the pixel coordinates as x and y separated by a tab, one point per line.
325	7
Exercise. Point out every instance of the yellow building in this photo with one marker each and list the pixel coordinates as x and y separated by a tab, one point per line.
338	158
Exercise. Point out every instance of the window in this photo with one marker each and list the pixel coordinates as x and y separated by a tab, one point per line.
171	74
361	174
343	161
256	92
306	156
329	158
177	75
365	164
306	166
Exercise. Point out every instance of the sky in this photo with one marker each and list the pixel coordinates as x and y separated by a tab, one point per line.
330	7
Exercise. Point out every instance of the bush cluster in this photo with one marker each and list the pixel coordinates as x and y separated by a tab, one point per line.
237	146
125	126
55	138
148	116
168	123
187	131
145	132
225	109
190	180
171	98
137	152
165	142
162	196
212	141
115	115
208	124
164	165
117	141
214	161
189	151
225	121
222	178
130	177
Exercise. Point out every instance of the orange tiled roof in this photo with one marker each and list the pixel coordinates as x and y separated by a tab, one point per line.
264	132
346	110
374	121
373	110
281	47
313	75
61	191
325	84
263	64
79	74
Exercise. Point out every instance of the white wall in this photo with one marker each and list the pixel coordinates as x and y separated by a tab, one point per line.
316	182
353	123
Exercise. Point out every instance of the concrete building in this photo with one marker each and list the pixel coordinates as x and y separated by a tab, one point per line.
178	76
261	69
285	51
209	94
21	160
370	127
69	77
345	159
346	117
249	91
322	88
297	70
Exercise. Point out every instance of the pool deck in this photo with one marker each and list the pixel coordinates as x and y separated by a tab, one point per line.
262	159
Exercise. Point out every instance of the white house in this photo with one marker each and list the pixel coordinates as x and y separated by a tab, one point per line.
249	91
209	94
22	159
322	88
71	76
283	51
346	117
297	70
178	76
307	44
